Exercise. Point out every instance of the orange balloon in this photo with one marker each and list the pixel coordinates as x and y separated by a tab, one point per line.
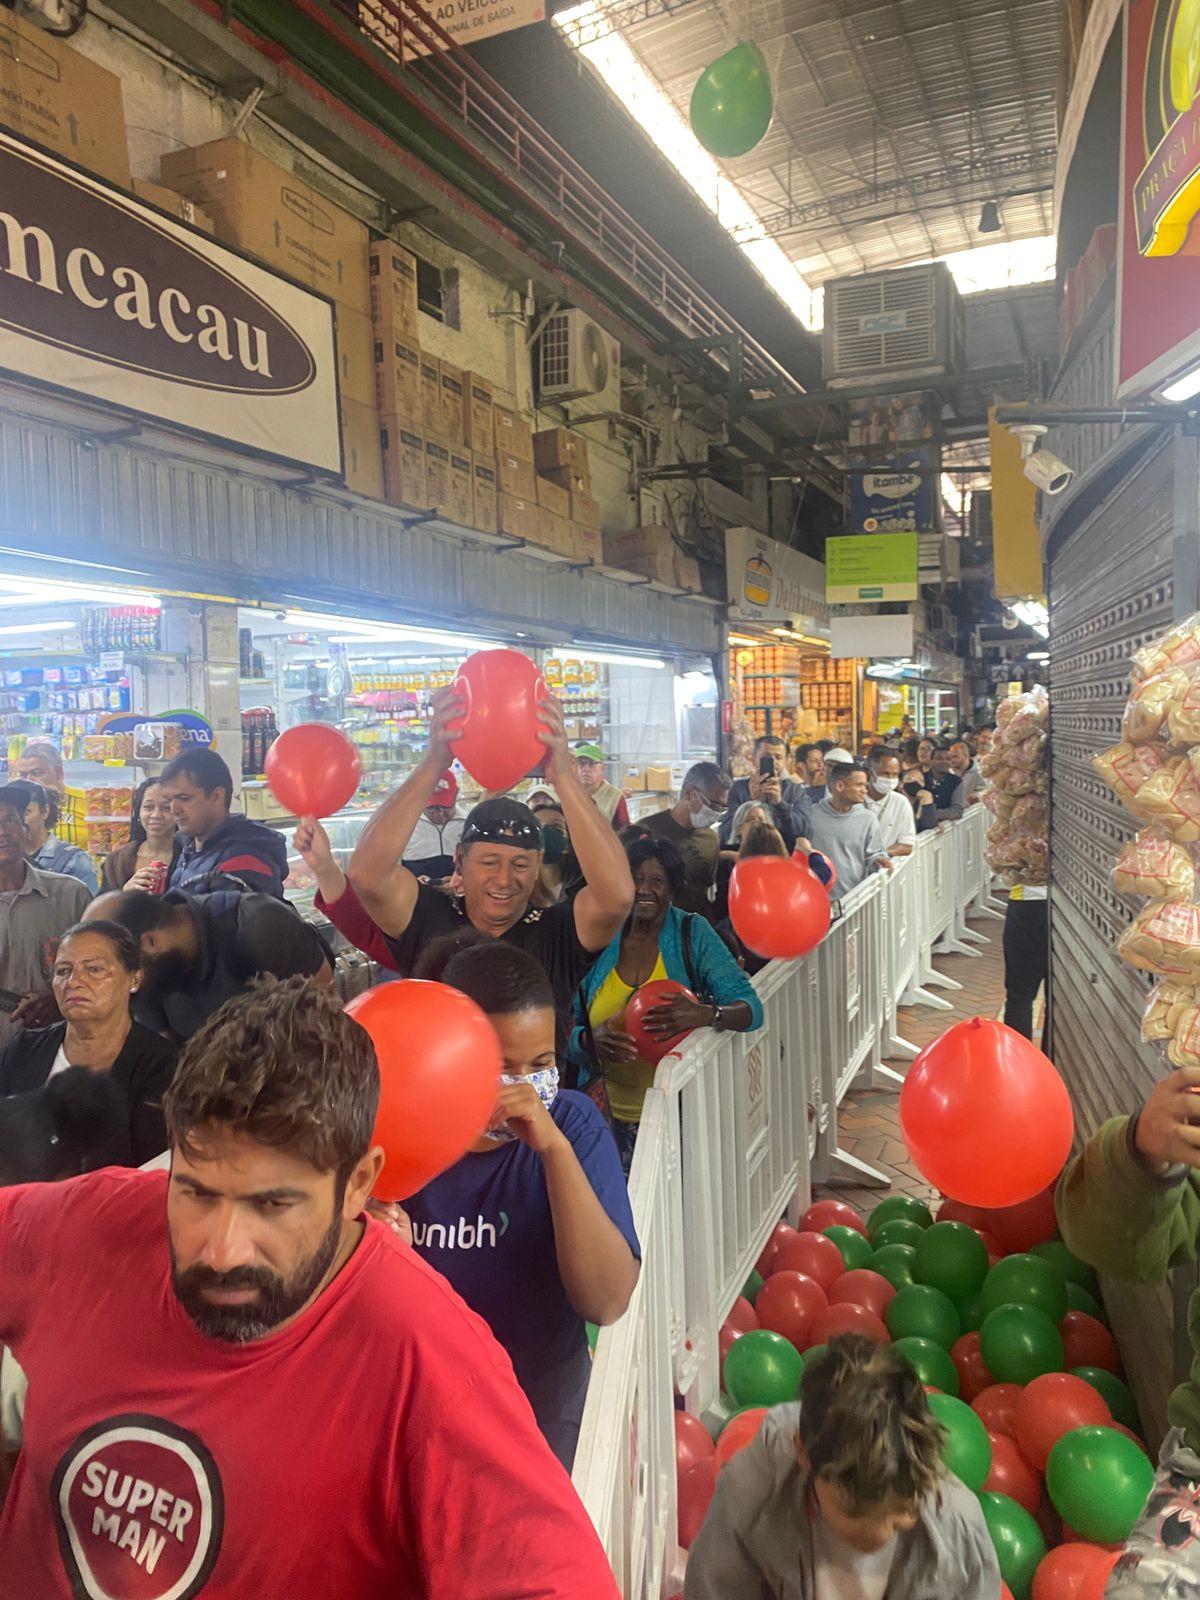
499	743
862	1287
985	1116
824	1214
312	769
777	907
439	1070
692	1441
659	993
738	1432
696	1489
996	1408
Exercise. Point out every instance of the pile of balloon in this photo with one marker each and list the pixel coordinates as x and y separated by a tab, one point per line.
997	1317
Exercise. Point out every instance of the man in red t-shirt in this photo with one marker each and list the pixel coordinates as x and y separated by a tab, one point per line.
238	1387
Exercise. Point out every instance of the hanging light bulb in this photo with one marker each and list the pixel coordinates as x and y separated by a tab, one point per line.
989	218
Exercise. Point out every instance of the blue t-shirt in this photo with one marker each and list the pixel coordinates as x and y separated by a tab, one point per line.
485	1225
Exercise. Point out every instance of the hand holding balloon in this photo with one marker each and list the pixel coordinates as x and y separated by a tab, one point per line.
613	1044
552	731
311	843
445	729
678	1015
1167	1129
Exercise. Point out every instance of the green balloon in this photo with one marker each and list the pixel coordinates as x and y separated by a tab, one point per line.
1079	1299
898	1230
966	1449
1026	1281
972	1313
751	1287
902	1206
1017	1540
930	1362
895	1263
1072	1268
1099	1480
593	1333
855	1247
814	1353
953	1258
763	1369
923	1313
732	102
1117	1395
1018	1343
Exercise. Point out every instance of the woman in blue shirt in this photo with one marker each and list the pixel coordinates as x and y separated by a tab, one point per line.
659	941
532	1226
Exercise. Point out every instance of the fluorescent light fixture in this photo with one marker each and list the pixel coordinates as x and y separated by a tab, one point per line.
354	630
1033	614
612	658
743	638
1038	655
1182	389
49	591
38	627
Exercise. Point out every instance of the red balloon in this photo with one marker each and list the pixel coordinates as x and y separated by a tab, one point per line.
1129	1434
777	907
993	1245
865	1288
787	1304
973	1375
500	726
846	1317
812	1254
694	1496
985	1116
738	1432
658	993
727	1337
1096	1581
1052	1405
1069	1536
954	1211
1012	1475
439	1070
1005	1592
1088	1343
1071	1572
824	1214
997	1408
1020	1227
779	1233
692	1442
742	1316
312	769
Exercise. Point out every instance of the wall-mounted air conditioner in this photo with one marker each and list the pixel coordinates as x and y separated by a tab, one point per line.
575	359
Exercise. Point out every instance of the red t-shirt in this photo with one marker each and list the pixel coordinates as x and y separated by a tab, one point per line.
378	1448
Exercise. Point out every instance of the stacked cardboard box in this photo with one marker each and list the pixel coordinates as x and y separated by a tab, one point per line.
653	553
565	490
57	97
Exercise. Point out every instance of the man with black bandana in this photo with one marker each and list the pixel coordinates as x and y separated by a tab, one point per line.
381	907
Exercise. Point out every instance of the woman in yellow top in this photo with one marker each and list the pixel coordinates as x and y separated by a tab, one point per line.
658	941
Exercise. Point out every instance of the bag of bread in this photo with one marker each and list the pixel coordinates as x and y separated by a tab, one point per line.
1183	717
1001	805
1006	711
1030	813
1184	1048
1171	798
1125	768
1153	867
1150	704
1029	752
1167	1003
1178	647
1164	938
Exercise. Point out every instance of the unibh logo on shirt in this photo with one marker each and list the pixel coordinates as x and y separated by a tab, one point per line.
139	1511
461	1235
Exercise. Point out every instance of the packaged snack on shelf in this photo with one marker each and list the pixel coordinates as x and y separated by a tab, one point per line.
1153	866
1171	798
1167	1003
1150	705
1125	768
1178	647
1164	938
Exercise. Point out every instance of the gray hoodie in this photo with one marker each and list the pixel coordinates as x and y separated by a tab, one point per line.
756	1542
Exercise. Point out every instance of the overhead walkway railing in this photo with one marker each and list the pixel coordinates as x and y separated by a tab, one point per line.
734	1133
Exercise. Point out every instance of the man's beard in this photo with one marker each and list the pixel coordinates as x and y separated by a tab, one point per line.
278	1298
160	974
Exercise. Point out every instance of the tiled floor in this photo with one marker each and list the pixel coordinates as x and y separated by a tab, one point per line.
869	1120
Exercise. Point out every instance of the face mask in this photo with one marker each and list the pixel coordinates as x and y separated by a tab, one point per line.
554	845
545	1081
705	816
886	784
912	789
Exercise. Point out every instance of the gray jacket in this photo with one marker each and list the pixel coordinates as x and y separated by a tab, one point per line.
756	1542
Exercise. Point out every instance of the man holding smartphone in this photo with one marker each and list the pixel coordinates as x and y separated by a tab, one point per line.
769	787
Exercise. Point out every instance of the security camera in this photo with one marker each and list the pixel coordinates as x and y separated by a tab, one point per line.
1044	469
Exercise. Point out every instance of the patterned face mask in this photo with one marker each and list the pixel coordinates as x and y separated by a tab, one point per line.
545	1081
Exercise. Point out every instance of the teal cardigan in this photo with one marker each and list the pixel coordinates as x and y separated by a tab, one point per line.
718	976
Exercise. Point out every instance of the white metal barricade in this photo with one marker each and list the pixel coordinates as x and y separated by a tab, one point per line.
733	1133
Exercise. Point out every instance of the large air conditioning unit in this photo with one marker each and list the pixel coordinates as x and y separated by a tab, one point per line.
896	325
575	359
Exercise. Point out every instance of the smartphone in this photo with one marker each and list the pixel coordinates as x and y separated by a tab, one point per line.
766	766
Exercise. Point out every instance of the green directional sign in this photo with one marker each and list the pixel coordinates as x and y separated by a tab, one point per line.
871	566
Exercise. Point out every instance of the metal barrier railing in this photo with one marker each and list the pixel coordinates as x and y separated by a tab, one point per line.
735	1130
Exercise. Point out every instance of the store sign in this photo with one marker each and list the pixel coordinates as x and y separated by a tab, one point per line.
1158	331
870	635
464	20
871	566
101	296
897	495
768	582
193	728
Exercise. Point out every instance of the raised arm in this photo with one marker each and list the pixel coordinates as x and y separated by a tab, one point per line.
387	889
603	905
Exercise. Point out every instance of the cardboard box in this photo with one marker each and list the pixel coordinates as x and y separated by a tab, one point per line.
515	476
356	357
276	216
398	381
437	475
687	572
393	278
634	780
658	779
551	498
452	403
479	424
589	546
520	518
514	436
431	393
648	551
175	205
559	447
575	480
585	511
403	463
484	492
461	487
556	533
52	94
363	458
